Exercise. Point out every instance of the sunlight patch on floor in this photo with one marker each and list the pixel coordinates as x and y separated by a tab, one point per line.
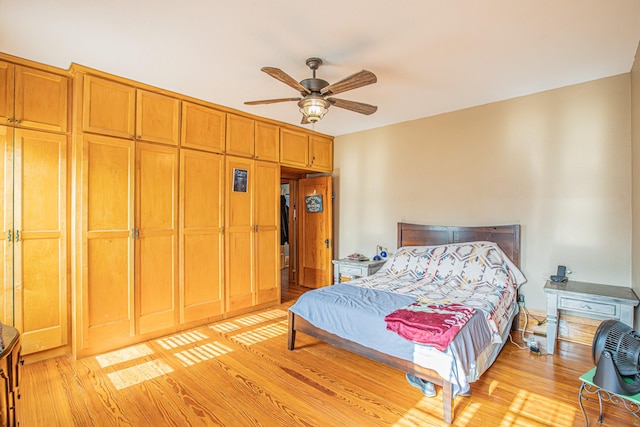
261	317
225	327
124	355
527	407
261	334
413	417
137	374
201	353
182	339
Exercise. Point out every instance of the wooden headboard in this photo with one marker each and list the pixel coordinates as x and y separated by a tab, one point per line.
506	236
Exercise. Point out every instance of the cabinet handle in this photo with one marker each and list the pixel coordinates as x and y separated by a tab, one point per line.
137	233
132	136
17	236
327	242
10	120
9	236
17	122
585	306
139	136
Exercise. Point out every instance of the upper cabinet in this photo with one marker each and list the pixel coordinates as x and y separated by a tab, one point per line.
203	128
301	150
116	109
240	136
267	146
321	153
33	98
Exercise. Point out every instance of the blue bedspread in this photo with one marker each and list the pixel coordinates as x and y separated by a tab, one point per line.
357	314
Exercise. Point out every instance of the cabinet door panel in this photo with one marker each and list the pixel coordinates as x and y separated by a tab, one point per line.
41	99
267	220
294	148
157	118
40	275
106	295
267	144
108	107
202	128
201	220
240	136
156	247
6	204
7	80
239	234
321	153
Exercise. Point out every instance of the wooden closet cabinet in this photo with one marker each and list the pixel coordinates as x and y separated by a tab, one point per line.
116	109
130	207
307	151
203	128
240	136
267	143
34	267
201	227
252	274
31	98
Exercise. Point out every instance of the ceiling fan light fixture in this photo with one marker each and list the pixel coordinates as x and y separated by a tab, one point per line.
313	108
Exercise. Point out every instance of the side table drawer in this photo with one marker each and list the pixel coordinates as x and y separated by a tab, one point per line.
599	308
352	271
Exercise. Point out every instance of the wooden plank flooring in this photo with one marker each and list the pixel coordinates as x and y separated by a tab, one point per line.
238	372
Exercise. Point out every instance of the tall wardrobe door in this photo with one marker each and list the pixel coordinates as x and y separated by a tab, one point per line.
106	295
239	235
40	277
267	220
6	208
201	240
156	236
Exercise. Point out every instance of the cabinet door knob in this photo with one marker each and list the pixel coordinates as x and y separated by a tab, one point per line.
10	120
8	235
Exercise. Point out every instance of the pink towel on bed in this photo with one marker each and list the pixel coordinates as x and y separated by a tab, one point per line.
428	323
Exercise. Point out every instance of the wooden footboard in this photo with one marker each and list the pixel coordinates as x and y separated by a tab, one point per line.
297	323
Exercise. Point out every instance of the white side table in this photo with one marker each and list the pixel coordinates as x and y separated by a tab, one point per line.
589	299
345	269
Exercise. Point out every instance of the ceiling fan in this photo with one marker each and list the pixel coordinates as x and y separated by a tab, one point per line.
317	93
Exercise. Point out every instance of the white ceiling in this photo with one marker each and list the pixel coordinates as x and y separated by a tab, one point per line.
430	56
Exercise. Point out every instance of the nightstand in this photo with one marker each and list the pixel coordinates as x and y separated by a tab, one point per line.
589	299
345	269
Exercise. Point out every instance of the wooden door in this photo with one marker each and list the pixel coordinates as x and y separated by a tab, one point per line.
267	144
6	205
294	148
7	80
108	108
201	239
157	117
40	254
239	234
240	136
41	100
321	153
203	128
156	237
315	213
105	295
266	205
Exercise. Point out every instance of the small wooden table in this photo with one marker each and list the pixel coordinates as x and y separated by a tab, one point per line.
347	269
591	299
588	388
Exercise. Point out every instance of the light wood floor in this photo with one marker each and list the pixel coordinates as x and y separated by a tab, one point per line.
238	372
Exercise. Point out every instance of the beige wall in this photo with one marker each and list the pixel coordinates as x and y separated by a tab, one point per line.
635	135
556	162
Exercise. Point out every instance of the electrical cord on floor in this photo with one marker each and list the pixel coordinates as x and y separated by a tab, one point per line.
532	346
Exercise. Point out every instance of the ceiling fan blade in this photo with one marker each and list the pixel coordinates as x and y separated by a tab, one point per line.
285	78
354	81
358	107
271	101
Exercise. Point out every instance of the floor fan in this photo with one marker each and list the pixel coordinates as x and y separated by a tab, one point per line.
616	353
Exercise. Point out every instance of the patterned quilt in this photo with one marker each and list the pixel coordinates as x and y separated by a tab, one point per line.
476	274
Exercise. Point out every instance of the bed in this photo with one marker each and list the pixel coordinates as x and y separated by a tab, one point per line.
351	315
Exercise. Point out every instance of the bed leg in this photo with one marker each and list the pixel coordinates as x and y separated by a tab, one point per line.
292	332
447	402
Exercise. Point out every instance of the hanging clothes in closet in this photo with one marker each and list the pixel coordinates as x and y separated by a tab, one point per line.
284	220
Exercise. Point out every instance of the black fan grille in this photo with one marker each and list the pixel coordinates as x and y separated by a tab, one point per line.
624	345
